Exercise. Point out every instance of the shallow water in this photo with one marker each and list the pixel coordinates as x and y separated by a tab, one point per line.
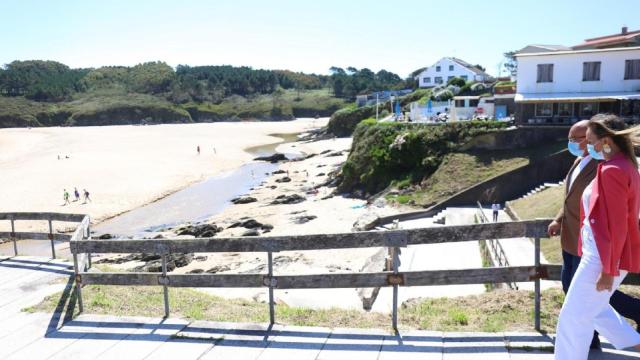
196	202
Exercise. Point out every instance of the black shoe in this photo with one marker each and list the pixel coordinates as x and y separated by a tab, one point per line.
595	343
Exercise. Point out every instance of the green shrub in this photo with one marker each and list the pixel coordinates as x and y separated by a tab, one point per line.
457	81
384	152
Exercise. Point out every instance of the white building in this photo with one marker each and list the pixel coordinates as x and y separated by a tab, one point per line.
564	86
448	68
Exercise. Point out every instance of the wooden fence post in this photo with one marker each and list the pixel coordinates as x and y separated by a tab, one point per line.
88	236
537	283
395	260
78	283
13	237
164	285
272	313
53	248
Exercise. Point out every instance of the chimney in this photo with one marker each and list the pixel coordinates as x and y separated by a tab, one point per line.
624	30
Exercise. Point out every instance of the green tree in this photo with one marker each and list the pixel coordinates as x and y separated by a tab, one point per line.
510	64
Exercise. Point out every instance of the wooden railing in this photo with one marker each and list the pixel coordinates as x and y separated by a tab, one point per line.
394	239
49	217
82	246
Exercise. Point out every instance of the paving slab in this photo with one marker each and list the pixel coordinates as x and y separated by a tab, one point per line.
350	344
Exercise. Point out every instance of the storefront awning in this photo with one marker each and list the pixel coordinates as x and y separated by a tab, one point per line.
559	97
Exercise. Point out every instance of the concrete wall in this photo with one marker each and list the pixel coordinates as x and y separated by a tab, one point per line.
517	138
567	72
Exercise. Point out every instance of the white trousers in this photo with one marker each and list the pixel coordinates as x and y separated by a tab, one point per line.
585	309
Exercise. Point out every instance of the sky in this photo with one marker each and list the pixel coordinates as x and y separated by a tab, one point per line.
298	35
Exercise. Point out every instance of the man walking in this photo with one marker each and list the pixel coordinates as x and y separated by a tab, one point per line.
567	222
86	196
496	210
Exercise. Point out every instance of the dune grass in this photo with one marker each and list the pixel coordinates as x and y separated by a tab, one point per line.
499	310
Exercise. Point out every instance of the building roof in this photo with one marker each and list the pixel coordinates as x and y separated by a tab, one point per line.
459	62
469	66
623	38
596	96
537	48
577	51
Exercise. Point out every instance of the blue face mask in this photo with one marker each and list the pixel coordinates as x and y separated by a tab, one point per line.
574	149
598	155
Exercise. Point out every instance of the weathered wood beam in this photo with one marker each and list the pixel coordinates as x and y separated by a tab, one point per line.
33	236
433	235
319	281
41	216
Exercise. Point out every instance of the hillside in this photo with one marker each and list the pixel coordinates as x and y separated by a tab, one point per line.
48	93
384	153
112	107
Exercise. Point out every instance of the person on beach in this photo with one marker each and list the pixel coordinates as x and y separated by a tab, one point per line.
65	197
567	222
198	149
496	210
76	193
86	196
609	243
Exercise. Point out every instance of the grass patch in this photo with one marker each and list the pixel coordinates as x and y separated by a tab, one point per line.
544	204
461	170
500	310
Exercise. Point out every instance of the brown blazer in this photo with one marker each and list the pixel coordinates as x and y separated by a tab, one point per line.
569	215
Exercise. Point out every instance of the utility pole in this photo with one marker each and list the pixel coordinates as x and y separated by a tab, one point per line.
376	107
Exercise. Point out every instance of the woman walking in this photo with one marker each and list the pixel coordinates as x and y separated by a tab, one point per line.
609	243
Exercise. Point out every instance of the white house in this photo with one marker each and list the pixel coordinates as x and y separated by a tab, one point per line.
448	68
564	86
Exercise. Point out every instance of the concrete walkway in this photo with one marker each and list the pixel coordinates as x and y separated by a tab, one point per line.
447	256
520	252
33	336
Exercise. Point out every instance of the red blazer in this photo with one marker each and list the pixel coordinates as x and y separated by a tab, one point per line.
614	208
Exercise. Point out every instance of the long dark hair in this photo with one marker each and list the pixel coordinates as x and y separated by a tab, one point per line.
606	125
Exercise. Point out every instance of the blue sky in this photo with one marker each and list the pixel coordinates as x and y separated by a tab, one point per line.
308	36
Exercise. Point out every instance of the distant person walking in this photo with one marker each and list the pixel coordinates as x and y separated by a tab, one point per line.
65	197
496	210
198	149
76	193
86	196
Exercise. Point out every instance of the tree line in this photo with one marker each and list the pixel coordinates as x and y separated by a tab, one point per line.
53	81
349	82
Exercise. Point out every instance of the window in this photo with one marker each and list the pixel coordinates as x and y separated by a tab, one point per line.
450	67
630	108
438	68
463	77
473	102
632	69
588	109
438	79
545	73
460	103
426	80
449	78
591	71
544	109
565	109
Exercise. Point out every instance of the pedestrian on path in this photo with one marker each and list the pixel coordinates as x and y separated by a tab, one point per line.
65	197
609	242
496	210
198	149
86	196
567	222
76	193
